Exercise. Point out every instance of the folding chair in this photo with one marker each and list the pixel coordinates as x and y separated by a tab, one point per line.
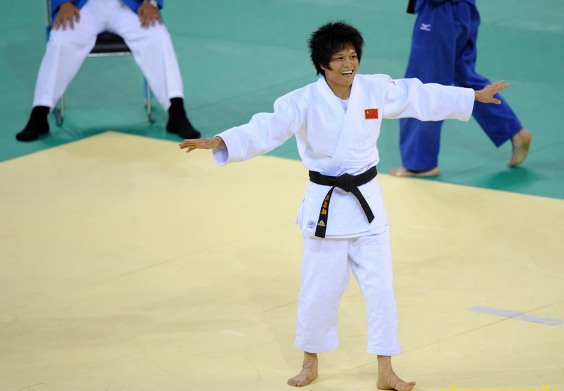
107	44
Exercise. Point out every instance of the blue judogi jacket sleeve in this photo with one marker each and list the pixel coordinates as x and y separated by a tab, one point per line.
133	4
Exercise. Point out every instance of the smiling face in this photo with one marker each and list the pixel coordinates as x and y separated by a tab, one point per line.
341	71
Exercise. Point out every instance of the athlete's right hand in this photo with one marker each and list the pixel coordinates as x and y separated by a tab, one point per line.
202	143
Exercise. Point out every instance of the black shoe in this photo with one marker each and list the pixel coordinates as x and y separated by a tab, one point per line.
30	134
178	121
36	126
182	127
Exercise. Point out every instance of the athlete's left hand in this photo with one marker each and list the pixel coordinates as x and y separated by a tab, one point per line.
486	95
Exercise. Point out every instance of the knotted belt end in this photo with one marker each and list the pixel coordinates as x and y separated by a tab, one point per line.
346	182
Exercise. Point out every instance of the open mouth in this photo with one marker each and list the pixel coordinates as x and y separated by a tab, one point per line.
347	73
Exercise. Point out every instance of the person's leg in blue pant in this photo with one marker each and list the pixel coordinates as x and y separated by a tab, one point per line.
432	60
499	122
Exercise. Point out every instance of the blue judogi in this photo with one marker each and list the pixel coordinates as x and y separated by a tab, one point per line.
443	50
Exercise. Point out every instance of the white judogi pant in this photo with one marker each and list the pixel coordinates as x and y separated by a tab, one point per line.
326	268
67	49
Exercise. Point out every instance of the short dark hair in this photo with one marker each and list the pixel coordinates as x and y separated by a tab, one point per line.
330	39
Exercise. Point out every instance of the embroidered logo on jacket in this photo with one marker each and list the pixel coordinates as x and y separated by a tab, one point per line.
425	27
371	113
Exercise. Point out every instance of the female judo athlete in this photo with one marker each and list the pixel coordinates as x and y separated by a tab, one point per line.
336	123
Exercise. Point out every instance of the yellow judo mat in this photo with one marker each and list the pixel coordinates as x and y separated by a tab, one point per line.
130	265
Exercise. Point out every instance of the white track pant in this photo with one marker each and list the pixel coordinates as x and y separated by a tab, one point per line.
325	274
67	49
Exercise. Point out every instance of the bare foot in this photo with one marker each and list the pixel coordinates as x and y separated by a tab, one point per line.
391	381
404	172
308	372
521	142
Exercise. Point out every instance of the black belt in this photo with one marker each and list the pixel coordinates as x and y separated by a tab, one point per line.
346	182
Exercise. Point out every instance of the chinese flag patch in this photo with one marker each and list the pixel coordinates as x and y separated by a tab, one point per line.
370	113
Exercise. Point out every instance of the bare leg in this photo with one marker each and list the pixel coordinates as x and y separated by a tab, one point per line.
521	142
387	379
308	372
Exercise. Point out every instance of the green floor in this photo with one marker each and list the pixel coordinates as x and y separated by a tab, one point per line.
237	57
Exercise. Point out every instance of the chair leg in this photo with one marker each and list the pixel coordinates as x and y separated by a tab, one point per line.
59	109
59	112
148	103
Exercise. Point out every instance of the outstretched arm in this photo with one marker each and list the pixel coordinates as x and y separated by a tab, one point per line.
202	143
486	95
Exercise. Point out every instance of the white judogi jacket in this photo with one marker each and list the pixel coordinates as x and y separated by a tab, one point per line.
333	142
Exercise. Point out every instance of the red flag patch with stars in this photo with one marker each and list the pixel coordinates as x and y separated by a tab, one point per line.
370	113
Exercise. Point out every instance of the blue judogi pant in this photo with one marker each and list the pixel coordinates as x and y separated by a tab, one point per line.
443	51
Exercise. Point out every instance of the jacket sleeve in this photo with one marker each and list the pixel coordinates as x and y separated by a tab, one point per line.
263	133
135	4
410	98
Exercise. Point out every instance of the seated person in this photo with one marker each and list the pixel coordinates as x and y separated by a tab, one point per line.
73	35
